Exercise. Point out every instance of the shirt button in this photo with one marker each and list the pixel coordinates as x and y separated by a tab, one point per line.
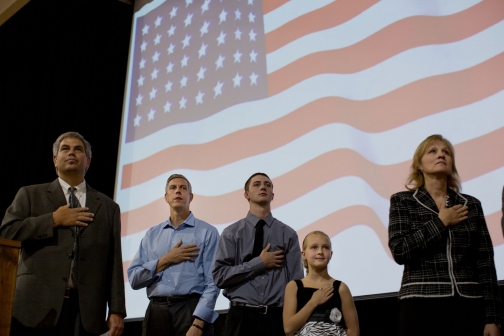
263	278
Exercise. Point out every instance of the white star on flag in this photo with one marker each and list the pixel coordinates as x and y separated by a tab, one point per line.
252	35
140	80
222	16
202	51
169	68
221	38
137	120
201	73
158	21
154	73
251	17
171	31
167	106
171	48
143	46
204	7
237	80
204	28
219	62
183	82
237	14
152	94
155	57
183	62
253	56
188	20
150	115
168	86
173	12
218	89
237	56
182	103
145	30
157	39
139	99
237	34
199	98
253	79
142	64
185	41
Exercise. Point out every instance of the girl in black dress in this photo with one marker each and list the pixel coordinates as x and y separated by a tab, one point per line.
318	304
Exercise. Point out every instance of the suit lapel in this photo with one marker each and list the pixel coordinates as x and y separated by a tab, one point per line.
55	194
424	198
456	198
93	202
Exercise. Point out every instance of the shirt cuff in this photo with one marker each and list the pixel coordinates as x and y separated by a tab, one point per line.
256	264
151	266
207	315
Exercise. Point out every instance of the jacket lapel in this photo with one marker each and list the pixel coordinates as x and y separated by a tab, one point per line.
55	194
456	198
93	202
424	198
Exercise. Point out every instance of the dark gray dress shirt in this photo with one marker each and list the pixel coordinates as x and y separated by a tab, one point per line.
251	282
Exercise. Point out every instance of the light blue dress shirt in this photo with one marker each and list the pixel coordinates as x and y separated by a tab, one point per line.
178	279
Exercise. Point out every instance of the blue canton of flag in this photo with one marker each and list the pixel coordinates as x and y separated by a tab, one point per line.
193	59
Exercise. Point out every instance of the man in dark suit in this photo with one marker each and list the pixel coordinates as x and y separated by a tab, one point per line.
70	265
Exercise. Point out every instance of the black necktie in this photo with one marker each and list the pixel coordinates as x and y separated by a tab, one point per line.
258	239
74	203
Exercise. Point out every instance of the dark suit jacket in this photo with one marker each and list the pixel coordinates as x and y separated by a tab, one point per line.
441	261
44	264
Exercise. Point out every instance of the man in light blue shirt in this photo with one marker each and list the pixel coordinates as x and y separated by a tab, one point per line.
175	262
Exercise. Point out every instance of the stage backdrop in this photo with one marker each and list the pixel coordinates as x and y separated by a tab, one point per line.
330	98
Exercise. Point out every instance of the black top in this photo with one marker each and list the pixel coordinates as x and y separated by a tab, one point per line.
322	312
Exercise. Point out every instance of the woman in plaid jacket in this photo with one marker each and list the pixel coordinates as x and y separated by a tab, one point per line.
449	284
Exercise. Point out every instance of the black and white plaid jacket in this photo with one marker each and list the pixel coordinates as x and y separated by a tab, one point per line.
440	261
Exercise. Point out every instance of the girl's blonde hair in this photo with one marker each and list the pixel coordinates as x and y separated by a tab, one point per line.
416	178
305	263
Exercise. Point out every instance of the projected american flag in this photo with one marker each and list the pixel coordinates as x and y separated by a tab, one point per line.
329	98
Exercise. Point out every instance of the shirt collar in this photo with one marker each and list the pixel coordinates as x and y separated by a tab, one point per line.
254	219
79	188
190	220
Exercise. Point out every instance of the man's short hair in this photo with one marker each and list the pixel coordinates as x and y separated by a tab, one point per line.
247	184
57	143
174	176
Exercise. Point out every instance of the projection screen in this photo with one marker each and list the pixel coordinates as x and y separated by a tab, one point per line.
329	98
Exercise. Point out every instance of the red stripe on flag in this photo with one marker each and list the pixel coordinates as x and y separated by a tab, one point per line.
326	17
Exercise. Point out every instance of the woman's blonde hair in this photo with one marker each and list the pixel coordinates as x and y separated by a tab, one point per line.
305	263
416	178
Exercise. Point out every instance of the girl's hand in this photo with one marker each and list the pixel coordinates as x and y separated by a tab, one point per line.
322	295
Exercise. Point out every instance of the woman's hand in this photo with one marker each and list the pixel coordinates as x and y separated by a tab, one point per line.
322	295
454	215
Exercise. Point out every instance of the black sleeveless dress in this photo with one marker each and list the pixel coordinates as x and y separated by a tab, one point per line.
326	319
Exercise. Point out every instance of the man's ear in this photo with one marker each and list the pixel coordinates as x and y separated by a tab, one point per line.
246	195
191	197
166	198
